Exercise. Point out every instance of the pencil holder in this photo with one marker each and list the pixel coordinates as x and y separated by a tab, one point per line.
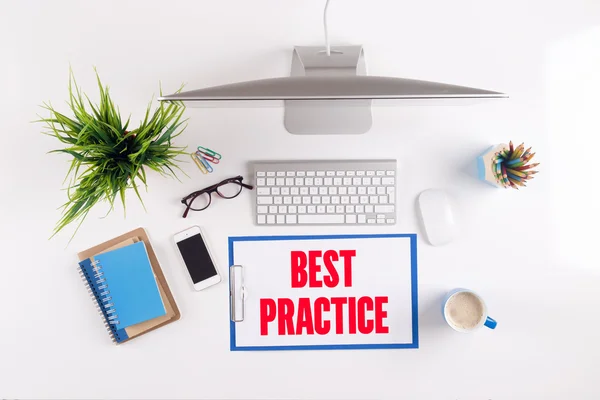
506	166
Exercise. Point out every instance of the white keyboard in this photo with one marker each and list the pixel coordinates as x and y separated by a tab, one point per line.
325	192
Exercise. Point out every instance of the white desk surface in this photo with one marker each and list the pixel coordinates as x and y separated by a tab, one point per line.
531	254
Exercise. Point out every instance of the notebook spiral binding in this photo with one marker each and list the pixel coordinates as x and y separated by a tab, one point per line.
101	298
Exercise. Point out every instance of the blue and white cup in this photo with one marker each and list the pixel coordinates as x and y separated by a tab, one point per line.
465	311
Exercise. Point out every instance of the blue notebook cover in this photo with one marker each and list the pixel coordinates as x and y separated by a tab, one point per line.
126	287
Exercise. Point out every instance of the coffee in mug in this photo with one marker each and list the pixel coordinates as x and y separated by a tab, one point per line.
465	311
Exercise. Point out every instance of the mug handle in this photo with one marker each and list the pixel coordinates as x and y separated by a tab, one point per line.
490	323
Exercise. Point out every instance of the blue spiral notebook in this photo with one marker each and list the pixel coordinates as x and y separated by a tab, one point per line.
124	287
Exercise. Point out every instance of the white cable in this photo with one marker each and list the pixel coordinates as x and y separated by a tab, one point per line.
327	45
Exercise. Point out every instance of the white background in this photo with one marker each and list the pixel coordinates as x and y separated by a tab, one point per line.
532	254
381	267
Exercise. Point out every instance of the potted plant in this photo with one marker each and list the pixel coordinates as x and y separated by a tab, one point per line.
110	157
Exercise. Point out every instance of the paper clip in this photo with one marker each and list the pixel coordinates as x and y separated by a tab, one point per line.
199	163
206	164
208	157
209	152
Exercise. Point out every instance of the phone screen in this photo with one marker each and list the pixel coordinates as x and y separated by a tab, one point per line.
196	258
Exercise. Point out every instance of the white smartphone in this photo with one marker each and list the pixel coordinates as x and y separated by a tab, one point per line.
197	258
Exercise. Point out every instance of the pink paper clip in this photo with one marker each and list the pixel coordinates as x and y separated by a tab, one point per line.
208	157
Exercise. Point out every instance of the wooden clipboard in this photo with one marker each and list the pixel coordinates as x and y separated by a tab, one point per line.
173	313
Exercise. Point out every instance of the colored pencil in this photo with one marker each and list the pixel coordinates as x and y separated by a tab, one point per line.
526	167
516	173
510	145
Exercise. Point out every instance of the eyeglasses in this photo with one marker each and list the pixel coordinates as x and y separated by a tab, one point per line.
227	189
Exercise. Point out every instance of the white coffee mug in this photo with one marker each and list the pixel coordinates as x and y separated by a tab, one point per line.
465	311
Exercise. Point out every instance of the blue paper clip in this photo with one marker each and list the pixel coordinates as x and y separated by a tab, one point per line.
208	157
206	164
209	152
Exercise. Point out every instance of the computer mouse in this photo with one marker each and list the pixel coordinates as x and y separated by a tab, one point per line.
436	214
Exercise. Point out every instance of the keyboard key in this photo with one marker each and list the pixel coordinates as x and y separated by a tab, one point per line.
347	181
275	191
292	209
356	181
262	209
299	182
311	209
380	221
362	190
390	190
309	181
306	200
370	221
326	200
362	219
371	190
291	173
335	199
320	173
384	209
289	181
350	219
291	219
360	173
350	173
278	200
321	209
353	199
387	181
297	200
339	173
390	173
352	190
260	182
339	209
373	199
330	173
342	190
368	209
392	198
380	216
322	190
316	200
273	209
370	173
321	219
260	173
285	191
280	173
264	200
270	181
337	181
263	191
349	209
345	200
301	209
287	200
281	219
360	209
300	173
380	190
310	173
270	219
330	209
270	173
376	181
262	219
390	221
328	181
282	209
366	181
318	181
313	190
303	191
380	173
294	191
383	199
364	200
333	190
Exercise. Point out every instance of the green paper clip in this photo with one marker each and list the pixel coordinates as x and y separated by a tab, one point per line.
209	152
